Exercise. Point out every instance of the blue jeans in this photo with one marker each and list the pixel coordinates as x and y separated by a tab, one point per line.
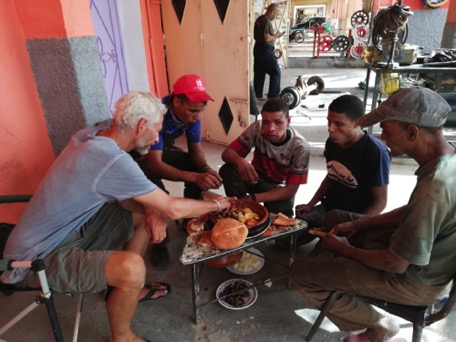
265	63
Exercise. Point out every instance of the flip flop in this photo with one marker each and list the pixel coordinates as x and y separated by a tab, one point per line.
148	296
358	338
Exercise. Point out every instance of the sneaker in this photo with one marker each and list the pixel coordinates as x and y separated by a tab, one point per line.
160	257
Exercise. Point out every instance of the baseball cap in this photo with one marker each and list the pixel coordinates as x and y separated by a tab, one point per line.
193	87
420	106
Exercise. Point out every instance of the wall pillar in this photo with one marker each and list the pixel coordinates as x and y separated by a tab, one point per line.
63	54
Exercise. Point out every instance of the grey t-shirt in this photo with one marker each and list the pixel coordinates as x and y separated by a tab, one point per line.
91	171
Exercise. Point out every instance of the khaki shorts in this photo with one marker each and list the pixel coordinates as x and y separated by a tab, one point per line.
78	264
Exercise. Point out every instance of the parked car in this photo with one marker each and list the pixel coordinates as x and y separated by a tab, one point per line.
304	26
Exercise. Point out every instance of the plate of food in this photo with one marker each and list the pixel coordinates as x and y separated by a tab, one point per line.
259	229
251	213
236	294
281	223
248	263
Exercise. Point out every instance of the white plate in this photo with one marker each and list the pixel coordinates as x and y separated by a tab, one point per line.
249	300
251	271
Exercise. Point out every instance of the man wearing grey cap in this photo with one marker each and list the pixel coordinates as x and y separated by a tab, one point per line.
405	256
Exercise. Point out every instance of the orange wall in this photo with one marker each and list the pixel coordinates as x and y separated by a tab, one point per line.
25	152
25	149
55	18
451	17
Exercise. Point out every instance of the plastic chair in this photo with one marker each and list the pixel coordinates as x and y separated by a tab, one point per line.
419	316
45	294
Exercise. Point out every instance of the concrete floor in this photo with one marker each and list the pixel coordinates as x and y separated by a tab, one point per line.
278	315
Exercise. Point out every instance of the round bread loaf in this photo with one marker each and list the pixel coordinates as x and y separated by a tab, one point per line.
229	233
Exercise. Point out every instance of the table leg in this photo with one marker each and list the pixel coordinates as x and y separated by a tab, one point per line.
196	269
293	245
366	91
374	97
375	92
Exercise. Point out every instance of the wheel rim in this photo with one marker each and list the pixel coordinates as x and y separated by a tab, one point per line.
341	43
325	43
359	18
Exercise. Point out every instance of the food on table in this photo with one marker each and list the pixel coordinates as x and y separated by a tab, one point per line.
274	230
284	220
316	232
243	215
248	263
237	299
203	238
229	233
194	226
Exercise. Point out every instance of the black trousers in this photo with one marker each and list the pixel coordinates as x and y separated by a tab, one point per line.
234	186
178	159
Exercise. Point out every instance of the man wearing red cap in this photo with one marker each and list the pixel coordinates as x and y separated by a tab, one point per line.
165	161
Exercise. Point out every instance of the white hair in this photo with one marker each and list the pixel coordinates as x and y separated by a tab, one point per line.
134	106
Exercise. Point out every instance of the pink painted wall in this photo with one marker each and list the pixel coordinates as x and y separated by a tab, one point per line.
25	152
451	17
413	4
25	149
55	18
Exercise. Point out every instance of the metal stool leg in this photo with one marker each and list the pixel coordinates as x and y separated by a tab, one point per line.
78	317
322	315
46	297
417	332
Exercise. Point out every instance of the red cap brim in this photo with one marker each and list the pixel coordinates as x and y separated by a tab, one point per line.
199	97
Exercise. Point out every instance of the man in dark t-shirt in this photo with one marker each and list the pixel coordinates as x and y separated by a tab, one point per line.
263	53
357	165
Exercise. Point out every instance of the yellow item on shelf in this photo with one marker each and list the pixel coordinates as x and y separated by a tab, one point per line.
389	83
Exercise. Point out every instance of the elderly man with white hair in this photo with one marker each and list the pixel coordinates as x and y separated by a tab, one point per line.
94	214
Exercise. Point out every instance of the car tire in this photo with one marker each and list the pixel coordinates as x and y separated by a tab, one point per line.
299	37
291	96
320	84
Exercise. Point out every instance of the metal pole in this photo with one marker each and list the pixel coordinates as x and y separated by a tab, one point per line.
46	297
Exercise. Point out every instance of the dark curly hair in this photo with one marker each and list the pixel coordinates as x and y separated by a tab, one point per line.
276	105
350	105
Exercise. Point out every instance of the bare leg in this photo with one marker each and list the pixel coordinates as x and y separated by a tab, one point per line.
125	271
140	240
138	244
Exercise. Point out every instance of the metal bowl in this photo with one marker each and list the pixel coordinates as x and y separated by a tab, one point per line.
225	261
240	204
247	297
